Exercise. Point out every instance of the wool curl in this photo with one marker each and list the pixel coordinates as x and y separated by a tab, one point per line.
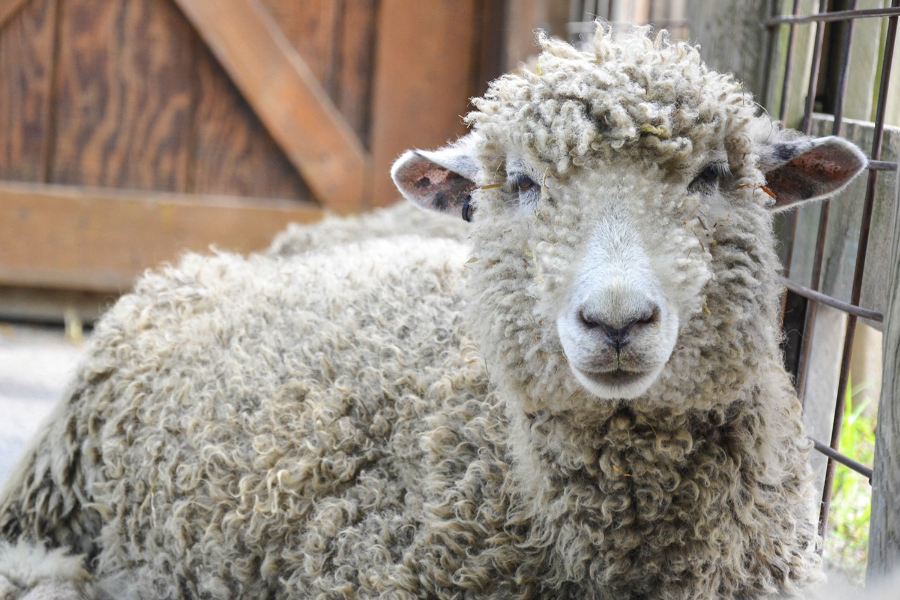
395	418
650	100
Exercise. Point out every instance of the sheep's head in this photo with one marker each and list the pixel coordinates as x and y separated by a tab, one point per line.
621	202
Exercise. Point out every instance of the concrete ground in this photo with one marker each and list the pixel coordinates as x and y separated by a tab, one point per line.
36	364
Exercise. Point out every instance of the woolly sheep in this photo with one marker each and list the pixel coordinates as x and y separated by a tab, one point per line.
587	403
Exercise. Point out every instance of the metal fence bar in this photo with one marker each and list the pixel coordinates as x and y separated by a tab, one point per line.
814	72
841	15
820	298
807	126
824	212
770	52
887	60
789	66
843	459
882	165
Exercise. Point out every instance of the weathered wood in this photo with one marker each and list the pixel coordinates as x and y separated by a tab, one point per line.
26	55
8	9
311	27
232	152
884	524
820	392
99	240
124	87
732	40
285	94
422	82
865	64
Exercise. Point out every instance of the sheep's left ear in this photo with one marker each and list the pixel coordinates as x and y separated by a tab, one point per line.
806	169
440	180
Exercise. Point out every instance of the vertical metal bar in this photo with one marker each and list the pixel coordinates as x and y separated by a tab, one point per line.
887	60
789	65
770	54
807	127
824	211
814	72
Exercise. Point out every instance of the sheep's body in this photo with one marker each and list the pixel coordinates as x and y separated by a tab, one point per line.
402	218
238	436
233	440
591	406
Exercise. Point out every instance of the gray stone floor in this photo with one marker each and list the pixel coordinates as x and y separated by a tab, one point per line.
36	364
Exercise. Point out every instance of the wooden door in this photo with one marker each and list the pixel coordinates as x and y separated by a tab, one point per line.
134	130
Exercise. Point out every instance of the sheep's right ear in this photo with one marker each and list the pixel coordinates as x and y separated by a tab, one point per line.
803	169
441	180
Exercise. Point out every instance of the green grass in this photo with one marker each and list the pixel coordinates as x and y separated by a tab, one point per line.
847	541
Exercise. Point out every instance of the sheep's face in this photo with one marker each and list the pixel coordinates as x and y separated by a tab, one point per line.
621	223
618	301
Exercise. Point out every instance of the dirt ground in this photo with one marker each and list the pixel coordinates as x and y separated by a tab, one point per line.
36	364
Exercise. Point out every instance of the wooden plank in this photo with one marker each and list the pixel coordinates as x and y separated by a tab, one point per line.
43	305
232	152
730	38
491	19
26	56
285	94
99	240
423	81
311	27
355	64
521	20
124	88
884	523
8	8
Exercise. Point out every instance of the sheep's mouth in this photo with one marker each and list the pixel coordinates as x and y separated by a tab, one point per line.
615	383
615	377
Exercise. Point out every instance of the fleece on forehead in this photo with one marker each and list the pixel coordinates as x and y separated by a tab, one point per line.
643	98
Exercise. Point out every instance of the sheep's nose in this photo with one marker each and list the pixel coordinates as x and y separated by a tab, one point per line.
618	331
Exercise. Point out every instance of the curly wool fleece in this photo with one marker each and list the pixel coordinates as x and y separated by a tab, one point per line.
387	419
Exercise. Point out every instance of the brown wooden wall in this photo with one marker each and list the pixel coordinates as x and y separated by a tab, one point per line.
274	104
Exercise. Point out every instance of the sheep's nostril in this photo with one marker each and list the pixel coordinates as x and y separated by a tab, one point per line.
618	331
588	322
650	318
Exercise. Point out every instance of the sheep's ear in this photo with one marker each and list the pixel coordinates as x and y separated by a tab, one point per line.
804	169
441	180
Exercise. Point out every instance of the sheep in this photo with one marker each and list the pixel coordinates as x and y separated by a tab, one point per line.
585	401
398	219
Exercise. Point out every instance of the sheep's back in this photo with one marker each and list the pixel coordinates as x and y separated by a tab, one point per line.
265	420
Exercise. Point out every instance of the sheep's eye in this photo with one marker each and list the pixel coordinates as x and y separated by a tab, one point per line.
524	183
708	179
523	186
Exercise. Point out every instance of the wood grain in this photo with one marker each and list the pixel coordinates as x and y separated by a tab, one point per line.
311	28
232	152
100	240
26	55
884	524
8	9
421	81
282	90
124	84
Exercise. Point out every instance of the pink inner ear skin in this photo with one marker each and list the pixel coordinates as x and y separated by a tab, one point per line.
431	185
829	162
